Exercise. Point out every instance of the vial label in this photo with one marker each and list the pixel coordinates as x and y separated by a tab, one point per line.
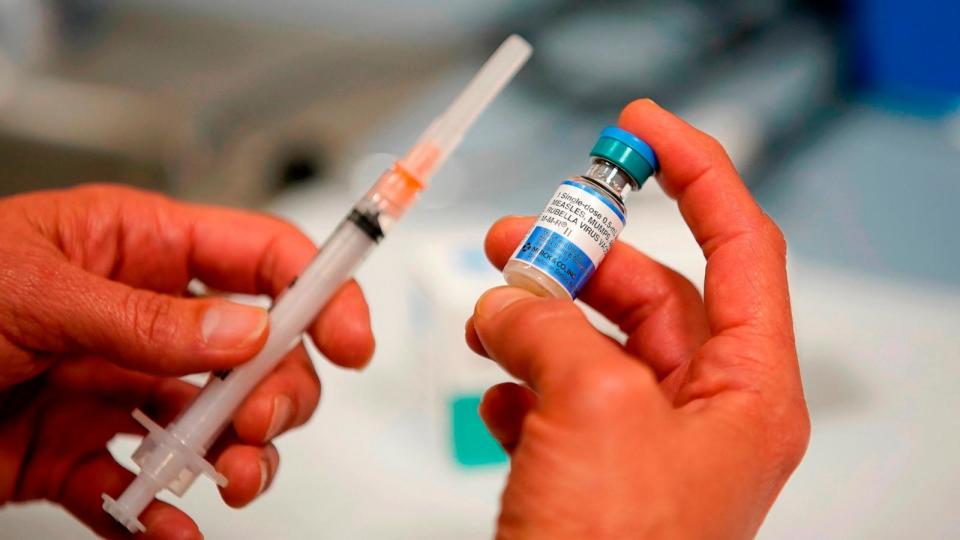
572	235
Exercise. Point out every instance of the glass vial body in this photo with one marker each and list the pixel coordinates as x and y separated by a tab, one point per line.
573	233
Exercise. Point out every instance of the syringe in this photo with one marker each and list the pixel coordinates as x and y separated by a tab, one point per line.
173	457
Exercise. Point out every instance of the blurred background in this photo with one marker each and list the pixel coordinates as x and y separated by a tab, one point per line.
844	118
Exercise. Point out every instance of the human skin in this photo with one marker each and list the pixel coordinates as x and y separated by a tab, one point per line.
688	430
95	320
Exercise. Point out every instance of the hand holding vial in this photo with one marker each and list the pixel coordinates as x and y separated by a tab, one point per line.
692	427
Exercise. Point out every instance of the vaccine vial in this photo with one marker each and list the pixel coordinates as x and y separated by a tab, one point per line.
583	219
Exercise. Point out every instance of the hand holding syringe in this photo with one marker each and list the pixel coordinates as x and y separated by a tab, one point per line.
173	457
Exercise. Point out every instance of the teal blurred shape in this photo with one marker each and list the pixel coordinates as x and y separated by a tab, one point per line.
473	446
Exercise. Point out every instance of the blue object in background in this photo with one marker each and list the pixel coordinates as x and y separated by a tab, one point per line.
472	443
876	193
909	50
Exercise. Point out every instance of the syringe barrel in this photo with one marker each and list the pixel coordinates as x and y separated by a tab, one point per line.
210	412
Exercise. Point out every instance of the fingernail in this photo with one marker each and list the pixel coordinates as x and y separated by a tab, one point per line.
496	300
227	325
268	467
282	409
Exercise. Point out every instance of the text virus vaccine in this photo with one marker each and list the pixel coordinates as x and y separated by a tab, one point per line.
583	219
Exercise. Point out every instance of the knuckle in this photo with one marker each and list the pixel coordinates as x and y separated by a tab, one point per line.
714	151
98	190
777	239
148	315
308	409
18	320
713	144
271	265
305	388
787	429
313	393
795	441
267	267
95	188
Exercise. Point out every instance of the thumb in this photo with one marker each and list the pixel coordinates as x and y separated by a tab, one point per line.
74	311
548	343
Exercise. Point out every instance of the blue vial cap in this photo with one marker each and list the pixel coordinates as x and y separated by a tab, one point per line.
627	151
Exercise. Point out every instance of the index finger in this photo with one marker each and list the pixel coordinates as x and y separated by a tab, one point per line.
746	281
254	253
